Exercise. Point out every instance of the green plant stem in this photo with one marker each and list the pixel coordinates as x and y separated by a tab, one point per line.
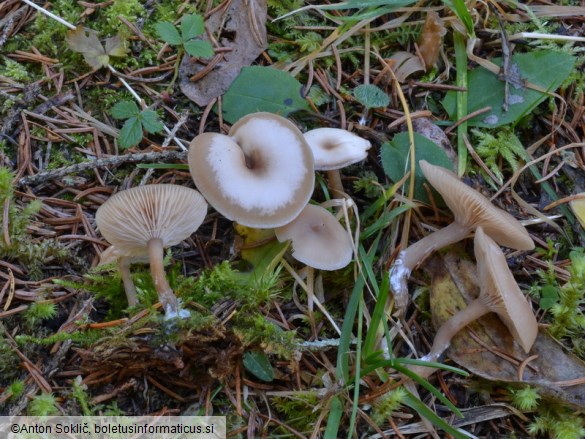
461	63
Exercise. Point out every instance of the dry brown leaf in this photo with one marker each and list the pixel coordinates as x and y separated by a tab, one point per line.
487	349
241	29
405	64
86	42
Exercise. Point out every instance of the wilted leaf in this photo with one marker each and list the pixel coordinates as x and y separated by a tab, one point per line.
260	88
86	42
371	96
260	248
544	69
486	347
395	156
125	110
257	364
578	207
236	31
168	33
131	133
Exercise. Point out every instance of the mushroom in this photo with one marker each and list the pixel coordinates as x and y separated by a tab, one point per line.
333	149
499	293
471	210
145	220
111	255
260	175
320	242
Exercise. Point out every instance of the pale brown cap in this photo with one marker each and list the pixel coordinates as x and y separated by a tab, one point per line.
500	292
318	239
130	218
334	148
471	209
261	175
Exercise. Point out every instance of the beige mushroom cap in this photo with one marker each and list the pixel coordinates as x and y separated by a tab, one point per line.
318	239
334	148
500	292
261	175
130	218
472	209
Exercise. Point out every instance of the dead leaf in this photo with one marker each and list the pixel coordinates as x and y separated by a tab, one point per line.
487	349
242	30
86	42
405	64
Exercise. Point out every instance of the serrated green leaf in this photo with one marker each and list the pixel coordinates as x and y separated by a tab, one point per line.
125	110
395	156
546	69
257	364
168	33
192	26
131	133
150	121
199	48
263	89
371	96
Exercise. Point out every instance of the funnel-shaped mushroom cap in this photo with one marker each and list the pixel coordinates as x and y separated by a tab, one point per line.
318	239
500	292
261	175
472	209
334	148
131	218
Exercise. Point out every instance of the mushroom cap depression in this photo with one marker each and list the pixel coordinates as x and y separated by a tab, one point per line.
334	148
260	175
500	292
318	239
472	209
131	218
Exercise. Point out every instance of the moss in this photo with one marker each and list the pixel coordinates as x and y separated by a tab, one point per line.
298	411
8	359
14	70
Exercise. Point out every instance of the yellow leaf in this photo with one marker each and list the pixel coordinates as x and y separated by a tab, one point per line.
86	42
578	206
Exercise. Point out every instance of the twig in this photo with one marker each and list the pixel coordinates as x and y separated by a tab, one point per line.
41	177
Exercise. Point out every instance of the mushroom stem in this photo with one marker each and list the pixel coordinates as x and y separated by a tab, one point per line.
410	258
447	331
165	293
124	267
334	178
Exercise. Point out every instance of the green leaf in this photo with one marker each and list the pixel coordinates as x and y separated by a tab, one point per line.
549	296
168	33
199	48
545	69
150	121
371	96
395	157
131	133
263	89
125	110
461	10
192	26
257	364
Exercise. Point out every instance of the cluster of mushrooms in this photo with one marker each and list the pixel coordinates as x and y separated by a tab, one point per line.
499	291
261	174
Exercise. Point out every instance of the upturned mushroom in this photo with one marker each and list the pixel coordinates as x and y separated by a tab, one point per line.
334	149
260	175
499	293
145	220
471	210
318	241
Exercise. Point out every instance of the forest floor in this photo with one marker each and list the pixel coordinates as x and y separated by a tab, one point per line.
491	90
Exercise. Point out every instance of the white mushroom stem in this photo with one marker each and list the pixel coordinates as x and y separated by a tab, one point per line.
447	331
165	293
414	255
124	267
